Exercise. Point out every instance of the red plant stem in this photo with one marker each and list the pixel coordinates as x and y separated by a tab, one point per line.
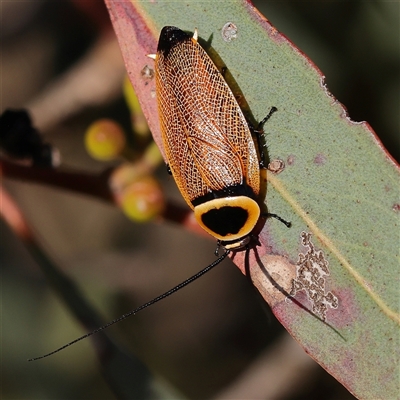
94	185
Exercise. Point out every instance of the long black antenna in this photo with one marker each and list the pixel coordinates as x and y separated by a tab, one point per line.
142	307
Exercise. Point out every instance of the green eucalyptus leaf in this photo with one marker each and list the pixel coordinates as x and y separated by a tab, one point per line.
333	277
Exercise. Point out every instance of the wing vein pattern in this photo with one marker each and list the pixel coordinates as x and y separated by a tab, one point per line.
205	135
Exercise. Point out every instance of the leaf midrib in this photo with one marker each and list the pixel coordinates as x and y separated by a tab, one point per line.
280	188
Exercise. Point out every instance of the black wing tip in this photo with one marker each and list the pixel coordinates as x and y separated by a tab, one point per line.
170	36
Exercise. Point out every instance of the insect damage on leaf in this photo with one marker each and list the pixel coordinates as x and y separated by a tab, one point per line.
147	73
276	166
312	268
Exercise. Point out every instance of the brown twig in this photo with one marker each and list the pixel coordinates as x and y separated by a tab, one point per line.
79	182
101	186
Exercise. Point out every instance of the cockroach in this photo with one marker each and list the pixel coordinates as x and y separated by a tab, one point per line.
209	149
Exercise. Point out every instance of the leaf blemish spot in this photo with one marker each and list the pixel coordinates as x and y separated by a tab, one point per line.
147	73
229	32
312	267
276	166
396	207
290	159
320	159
